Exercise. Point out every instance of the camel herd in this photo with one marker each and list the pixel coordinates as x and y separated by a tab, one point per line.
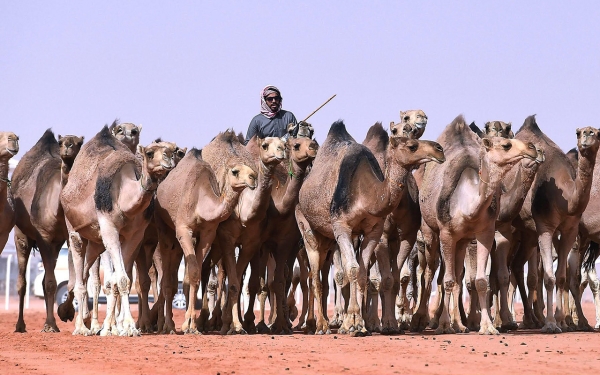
384	216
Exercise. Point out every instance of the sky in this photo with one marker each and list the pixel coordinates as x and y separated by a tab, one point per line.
186	70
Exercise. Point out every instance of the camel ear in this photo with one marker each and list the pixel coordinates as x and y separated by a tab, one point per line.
59	137
140	149
487	126
487	143
140	128
578	132
81	139
508	126
392	124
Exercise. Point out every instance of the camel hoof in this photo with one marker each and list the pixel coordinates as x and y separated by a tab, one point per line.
490	330
82	332
419	323
50	328
444	329
584	327
66	312
551	328
192	331
510	326
262	328
20	327
343	331
528	324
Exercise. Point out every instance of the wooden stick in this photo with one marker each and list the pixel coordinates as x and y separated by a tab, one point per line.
321	106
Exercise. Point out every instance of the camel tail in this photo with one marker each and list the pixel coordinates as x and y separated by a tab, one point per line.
590	256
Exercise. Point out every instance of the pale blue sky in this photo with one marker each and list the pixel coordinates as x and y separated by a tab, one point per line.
186	70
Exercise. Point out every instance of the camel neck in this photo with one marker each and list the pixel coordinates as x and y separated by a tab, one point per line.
293	183
4	180
521	177
583	183
227	201
390	189
260	196
65	169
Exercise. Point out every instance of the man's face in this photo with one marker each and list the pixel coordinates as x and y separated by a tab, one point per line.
273	101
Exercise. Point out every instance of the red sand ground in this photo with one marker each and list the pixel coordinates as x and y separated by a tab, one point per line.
62	353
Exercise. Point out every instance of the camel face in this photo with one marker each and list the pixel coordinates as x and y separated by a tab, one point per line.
587	139
159	158
272	150
9	144
127	133
503	151
242	176
69	146
414	152
498	129
302	149
412	124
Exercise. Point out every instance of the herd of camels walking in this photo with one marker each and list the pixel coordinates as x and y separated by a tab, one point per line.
383	215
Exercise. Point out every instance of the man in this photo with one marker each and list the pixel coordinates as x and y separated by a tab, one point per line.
272	120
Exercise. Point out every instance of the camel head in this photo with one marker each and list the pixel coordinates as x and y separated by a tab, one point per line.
413	152
272	150
587	141
302	149
498	129
69	146
9	145
304	130
127	133
158	158
241	176
179	152
412	124
506	152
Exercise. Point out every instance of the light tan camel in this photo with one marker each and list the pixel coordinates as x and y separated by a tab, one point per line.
187	222
243	227
459	202
412	124
9	147
281	235
554	205
106	204
515	187
37	182
127	133
345	195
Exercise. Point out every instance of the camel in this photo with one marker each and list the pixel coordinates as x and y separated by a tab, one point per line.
412	124
345	195
37	182
244	225
515	186
9	147
127	133
459	202
111	213
191	217
554	205
281	235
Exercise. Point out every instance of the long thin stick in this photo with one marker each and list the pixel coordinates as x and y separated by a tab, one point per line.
321	106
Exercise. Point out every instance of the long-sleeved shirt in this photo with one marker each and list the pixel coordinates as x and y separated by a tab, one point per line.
270	127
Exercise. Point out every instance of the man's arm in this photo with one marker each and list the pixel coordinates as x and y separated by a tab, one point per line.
252	130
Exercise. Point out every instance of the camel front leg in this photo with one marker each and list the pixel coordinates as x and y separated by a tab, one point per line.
389	323
94	278
545	244
447	248
23	245
429	262
500	259
459	262
339	278
77	247
485	241
573	286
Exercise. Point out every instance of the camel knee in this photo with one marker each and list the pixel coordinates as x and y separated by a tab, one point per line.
386	283
549	282
481	285
560	282
449	285
123	285
50	286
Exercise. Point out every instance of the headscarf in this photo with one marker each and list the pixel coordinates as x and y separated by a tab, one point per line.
264	108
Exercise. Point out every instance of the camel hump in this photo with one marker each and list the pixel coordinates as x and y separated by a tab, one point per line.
354	156
531	125
196	153
377	137
338	133
46	149
105	138
458	135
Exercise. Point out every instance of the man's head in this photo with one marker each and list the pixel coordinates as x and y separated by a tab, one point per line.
270	101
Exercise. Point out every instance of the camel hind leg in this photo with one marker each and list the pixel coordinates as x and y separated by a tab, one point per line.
23	245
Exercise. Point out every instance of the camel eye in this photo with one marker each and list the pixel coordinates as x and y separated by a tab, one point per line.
591	133
150	154
235	172
134	131
406	118
394	131
297	146
413	147
119	129
265	146
507	146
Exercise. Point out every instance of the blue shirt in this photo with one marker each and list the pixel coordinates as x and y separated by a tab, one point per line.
263	126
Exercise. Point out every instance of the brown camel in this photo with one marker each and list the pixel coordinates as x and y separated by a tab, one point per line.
37	182
127	133
281	235
242	229
187	222
345	195
9	147
106	204
459	202
554	205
